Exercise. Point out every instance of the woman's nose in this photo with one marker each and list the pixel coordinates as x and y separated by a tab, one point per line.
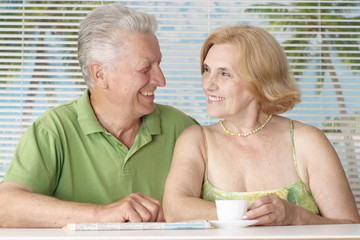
209	83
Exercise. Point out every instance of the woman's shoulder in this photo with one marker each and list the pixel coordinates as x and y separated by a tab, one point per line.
304	134
306	131
311	142
192	132
196	133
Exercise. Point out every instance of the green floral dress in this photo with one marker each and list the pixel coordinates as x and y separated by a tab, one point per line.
296	193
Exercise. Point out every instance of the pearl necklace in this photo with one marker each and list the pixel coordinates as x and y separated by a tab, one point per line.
248	133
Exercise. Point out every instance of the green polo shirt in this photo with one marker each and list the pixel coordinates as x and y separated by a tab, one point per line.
67	154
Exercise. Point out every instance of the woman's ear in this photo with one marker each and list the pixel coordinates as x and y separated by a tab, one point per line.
97	71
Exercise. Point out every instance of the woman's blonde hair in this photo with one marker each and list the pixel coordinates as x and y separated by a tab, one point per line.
260	61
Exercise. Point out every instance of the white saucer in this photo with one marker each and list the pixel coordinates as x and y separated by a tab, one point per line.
232	224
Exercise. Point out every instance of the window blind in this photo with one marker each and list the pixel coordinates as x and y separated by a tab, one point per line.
39	69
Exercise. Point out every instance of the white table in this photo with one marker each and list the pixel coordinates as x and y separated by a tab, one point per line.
345	231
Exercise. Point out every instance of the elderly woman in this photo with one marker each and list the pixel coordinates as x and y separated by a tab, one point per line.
287	170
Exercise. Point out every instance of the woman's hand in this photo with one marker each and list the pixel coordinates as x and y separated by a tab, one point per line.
272	210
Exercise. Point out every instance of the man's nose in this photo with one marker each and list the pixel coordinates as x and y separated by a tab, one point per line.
158	77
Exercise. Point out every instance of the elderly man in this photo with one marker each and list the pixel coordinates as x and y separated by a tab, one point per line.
105	156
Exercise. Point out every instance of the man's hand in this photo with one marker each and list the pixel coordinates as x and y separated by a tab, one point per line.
134	208
29	209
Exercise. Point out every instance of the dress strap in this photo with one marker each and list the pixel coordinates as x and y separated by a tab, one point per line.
206	153
293	148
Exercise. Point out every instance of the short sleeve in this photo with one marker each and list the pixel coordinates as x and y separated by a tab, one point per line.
36	162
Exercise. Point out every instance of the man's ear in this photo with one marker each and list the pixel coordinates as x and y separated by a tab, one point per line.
97	71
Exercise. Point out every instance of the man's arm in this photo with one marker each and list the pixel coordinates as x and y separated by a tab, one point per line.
23	208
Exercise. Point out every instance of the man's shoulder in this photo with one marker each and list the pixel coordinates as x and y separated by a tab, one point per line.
168	108
173	114
63	112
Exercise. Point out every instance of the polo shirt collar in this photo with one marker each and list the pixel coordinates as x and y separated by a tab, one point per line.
89	123
86	116
152	122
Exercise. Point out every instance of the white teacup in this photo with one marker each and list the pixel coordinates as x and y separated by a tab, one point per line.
231	210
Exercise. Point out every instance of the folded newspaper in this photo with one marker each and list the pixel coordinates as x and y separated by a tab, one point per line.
195	224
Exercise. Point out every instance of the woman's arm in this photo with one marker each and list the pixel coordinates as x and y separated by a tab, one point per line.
326	177
321	170
183	185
